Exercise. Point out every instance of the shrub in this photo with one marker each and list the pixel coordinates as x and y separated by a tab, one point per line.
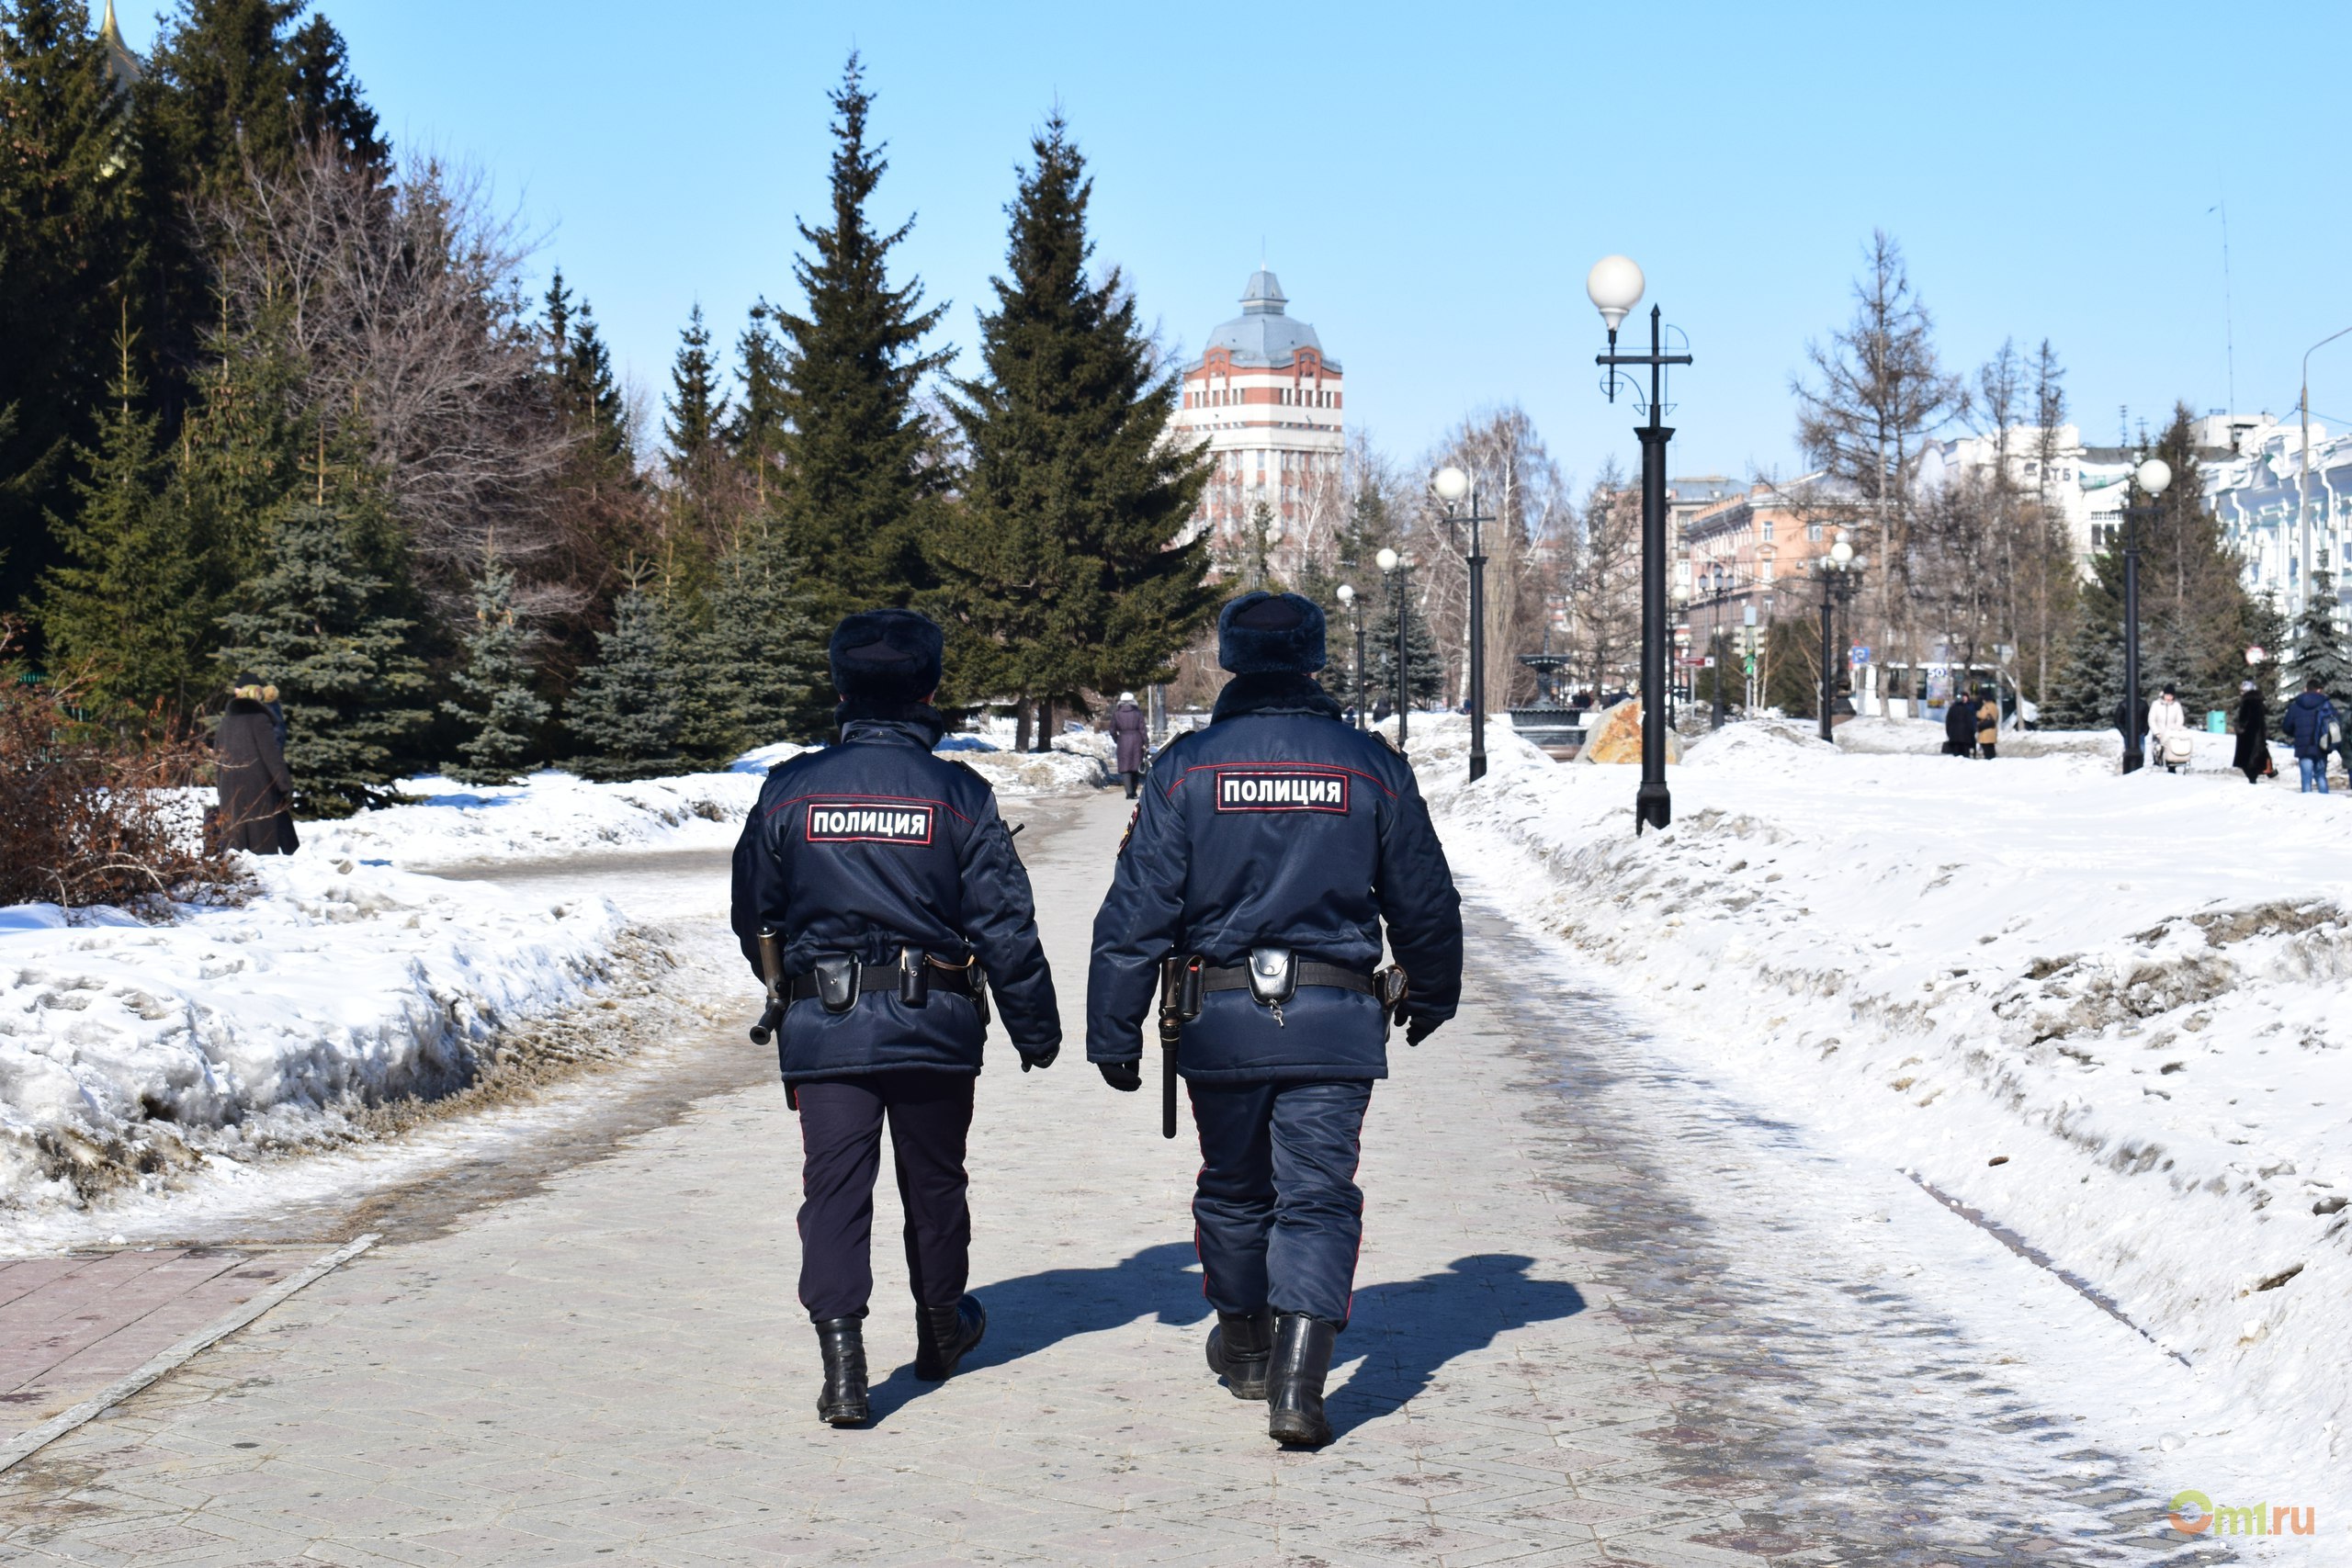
88	818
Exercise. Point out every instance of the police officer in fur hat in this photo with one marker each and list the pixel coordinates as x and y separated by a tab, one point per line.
1270	848
885	886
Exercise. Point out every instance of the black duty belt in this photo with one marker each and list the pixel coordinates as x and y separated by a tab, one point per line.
957	980
1310	973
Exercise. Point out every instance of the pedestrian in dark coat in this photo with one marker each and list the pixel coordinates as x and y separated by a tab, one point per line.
1130	732
1276	843
2307	723
2252	757
888	884
256	789
1960	725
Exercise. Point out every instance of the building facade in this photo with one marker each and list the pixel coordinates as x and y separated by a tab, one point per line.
1267	403
1754	548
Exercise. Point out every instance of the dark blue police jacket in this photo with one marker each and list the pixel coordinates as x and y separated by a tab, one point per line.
873	844
1276	826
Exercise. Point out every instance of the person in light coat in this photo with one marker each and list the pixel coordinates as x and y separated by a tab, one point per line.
2167	719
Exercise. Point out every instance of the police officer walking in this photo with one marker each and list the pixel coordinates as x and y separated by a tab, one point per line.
874	883
1270	847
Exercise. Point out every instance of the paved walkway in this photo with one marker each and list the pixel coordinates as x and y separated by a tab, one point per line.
1552	1362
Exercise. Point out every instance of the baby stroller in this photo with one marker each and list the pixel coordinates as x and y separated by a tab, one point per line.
2177	750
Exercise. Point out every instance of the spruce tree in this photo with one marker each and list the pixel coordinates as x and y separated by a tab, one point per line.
2320	648
694	405
756	669
756	432
499	705
67	242
1424	670
627	707
321	622
859	479
132	606
582	369
1062	574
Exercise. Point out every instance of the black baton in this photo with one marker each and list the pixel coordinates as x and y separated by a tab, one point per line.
1171	1025
772	1016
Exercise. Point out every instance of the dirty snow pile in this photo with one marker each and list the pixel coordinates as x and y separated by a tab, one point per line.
2105	1012
129	1050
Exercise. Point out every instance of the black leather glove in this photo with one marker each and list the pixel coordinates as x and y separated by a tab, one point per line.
1044	1058
1125	1077
1418	1029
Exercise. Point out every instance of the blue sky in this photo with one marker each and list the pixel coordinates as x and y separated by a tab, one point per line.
1431	183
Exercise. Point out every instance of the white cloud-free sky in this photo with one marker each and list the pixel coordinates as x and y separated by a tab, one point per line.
1430	182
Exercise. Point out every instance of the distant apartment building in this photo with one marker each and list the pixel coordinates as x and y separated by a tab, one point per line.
1755	546
2283	524
1267	403
2287	521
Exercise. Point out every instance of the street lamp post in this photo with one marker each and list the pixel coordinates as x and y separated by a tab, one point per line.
1450	485
1394	567
1355	613
2151	477
1615	285
1719	584
1837	585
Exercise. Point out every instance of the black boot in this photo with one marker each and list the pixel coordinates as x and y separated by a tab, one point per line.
842	1401
1294	1382
1239	1347
944	1336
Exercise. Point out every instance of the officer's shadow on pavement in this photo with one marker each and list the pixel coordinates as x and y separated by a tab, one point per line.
1401	1334
1036	1311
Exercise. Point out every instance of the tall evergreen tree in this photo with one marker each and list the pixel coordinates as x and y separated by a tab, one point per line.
627	707
1063	573
248	90
2320	647
322	621
66	244
859	478
495	684
1424	670
132	606
755	434
695	406
756	670
582	369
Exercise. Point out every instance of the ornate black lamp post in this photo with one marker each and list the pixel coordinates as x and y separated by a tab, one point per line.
1395	568
1615	285
1450	485
1840	575
2149	478
1355	613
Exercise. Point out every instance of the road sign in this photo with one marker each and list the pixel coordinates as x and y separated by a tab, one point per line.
1859	655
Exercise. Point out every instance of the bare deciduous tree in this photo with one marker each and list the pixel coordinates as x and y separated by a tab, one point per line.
1602	582
1881	392
403	310
1521	489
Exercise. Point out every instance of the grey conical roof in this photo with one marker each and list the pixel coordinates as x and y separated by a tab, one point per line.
1263	334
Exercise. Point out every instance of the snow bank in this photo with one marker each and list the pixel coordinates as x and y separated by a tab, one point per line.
127	1050
550	816
2104	1011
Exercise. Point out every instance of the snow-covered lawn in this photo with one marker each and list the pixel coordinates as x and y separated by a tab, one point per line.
345	980
2107	1013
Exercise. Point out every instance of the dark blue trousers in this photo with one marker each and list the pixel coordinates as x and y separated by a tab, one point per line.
1277	1215
841	1139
